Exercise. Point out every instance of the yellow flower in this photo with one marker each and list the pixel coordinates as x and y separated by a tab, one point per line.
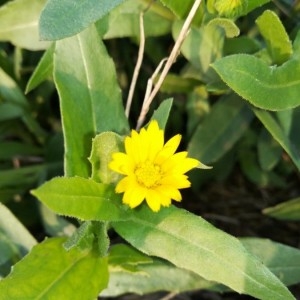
151	169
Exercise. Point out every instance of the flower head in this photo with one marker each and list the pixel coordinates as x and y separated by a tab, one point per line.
152	171
230	8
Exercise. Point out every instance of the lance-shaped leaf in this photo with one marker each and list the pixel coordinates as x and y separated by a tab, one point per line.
221	129
81	198
189	242
19	23
161	115
51	272
289	210
90	98
14	102
282	260
15	231
43	70
64	18
148	277
279	135
15	240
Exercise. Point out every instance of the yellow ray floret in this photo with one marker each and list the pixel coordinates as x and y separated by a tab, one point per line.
151	169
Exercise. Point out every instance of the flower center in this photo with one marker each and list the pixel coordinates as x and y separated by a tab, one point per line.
148	174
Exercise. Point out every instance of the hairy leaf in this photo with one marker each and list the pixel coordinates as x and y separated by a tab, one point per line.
49	271
267	87
81	198
90	98
104	145
190	242
64	18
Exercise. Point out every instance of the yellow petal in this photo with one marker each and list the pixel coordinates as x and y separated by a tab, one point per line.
176	181
187	165
121	163
135	196
173	162
153	200
169	149
170	192
156	142
123	185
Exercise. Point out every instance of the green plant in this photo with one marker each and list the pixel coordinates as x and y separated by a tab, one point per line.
221	69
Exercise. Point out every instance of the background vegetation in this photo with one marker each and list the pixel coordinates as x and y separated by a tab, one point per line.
234	95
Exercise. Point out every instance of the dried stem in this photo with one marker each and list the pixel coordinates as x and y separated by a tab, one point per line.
137	66
148	92
171	59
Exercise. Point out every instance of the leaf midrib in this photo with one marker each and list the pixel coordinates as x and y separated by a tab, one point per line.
58	278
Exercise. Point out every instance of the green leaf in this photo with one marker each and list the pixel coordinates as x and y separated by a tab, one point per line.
189	242
197	108
241	44
161	115
279	135
10	254
15	231
121	256
124	20
49	272
289	210
267	87
13	149
182	8
278	43
14	98
286	119
201	47
81	198
269	151
231	9
223	126
55	225
104	145
253	4
43	71
26	175
10	111
15	240
64	18
282	260
249	165
149	275
160	275
174	83
293	120
19	23
229	27
90	97
243	7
